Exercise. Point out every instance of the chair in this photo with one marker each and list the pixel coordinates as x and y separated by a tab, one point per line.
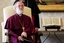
7	12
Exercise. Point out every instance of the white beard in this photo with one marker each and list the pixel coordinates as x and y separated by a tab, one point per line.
19	12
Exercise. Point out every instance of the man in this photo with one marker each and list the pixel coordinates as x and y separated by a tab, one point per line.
35	11
19	25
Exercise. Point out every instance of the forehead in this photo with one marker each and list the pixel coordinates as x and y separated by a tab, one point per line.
19	3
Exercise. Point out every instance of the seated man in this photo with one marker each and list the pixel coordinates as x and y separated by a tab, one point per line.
19	25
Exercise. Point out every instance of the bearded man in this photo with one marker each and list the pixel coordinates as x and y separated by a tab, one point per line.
19	25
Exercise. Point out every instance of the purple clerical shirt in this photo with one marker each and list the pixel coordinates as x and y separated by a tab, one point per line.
15	28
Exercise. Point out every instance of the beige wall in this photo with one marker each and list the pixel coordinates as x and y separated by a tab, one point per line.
3	3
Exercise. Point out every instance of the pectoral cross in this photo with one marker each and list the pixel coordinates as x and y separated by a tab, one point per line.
22	24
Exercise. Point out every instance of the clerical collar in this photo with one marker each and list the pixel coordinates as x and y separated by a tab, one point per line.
20	14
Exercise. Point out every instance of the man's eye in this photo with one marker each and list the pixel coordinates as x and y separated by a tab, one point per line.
23	2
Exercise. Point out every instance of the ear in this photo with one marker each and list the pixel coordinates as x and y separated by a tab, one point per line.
14	6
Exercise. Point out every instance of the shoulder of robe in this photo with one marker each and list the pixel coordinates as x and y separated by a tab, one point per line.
11	17
26	16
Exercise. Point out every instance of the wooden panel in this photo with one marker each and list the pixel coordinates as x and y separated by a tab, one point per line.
51	7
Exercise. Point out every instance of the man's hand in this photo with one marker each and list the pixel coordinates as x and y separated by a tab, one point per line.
24	34
20	38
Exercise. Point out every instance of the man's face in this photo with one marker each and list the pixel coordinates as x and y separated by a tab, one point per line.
20	5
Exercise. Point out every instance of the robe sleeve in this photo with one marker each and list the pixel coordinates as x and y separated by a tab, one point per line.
9	27
30	27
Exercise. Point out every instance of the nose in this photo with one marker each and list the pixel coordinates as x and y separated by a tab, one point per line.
21	7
